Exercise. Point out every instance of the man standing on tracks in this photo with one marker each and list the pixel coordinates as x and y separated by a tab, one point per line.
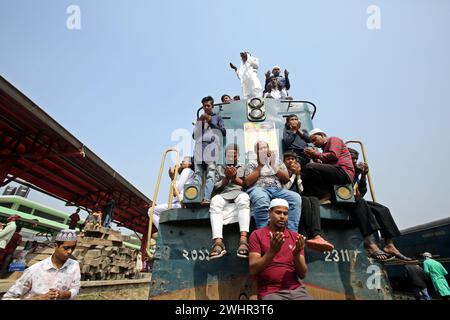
332	166
418	281
277	257
7	254
209	132
55	278
265	178
7	232
74	218
437	273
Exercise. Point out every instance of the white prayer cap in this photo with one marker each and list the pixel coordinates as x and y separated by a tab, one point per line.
276	67
278	202
66	235
315	131
427	255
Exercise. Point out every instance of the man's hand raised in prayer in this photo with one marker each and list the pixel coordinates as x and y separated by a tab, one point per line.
276	242
299	245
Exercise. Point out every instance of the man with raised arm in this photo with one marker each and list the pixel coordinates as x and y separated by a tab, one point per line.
247	73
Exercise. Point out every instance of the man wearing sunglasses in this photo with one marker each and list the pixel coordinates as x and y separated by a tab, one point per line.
55	278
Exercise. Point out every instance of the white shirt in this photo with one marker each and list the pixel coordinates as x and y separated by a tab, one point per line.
276	94
186	176
7	233
42	276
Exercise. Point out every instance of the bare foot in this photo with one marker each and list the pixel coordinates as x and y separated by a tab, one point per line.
372	248
390	248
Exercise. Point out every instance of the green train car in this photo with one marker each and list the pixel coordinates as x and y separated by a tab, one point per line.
182	269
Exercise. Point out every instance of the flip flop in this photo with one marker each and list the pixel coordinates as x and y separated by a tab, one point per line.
404	258
377	254
242	253
218	248
320	245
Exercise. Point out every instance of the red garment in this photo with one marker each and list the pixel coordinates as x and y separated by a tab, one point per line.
74	218
13	243
335	152
280	274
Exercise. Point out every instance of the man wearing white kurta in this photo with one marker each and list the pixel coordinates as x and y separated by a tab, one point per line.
230	204
247	73
186	176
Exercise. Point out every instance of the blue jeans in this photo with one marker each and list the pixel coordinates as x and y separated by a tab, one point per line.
260	199
421	293
107	222
210	172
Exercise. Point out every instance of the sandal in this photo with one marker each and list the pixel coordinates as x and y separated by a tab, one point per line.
242	252
404	258
377	256
219	250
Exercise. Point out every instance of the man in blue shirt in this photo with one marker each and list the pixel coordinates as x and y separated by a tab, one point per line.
284	81
209	132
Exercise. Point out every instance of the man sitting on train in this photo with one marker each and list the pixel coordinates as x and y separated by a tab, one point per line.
372	216
277	257
230	204
332	166
186	176
225	98
296	139
208	134
275	90
265	178
284	81
310	216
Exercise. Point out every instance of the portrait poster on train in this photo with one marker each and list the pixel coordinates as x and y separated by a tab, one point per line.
256	131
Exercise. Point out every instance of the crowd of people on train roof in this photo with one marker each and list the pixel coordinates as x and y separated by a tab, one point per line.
282	195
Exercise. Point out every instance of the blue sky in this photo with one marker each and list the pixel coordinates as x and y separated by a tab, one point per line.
137	70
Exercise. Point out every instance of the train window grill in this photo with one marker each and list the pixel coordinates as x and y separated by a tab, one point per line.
45	215
25	209
6	204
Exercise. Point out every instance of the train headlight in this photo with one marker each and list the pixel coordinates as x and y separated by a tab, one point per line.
256	109
191	192
344	193
256	113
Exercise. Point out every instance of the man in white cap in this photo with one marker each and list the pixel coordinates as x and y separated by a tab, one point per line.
332	166
276	73
55	278
436	271
277	257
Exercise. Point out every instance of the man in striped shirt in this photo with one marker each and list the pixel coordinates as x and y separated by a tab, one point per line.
332	166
